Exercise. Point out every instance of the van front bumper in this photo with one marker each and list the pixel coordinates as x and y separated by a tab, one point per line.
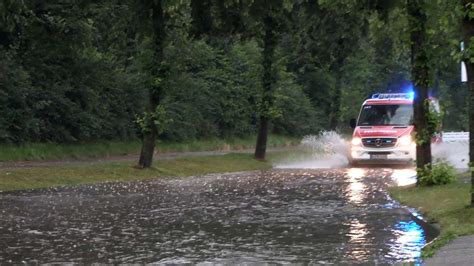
393	155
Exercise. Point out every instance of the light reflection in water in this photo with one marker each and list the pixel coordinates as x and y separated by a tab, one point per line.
337	216
410	240
358	233
356	189
356	173
409	236
404	177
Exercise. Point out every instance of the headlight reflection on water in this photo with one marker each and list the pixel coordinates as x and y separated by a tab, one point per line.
356	190
358	236
356	173
404	177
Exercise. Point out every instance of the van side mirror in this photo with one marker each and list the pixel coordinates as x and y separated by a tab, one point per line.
352	123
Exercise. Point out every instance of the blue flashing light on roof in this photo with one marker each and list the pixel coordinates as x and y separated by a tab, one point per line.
407	88
394	96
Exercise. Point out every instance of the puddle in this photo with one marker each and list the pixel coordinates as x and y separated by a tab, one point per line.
279	216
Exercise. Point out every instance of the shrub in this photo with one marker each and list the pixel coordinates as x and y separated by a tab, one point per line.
440	173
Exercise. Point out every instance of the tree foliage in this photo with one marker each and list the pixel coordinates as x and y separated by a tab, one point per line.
73	71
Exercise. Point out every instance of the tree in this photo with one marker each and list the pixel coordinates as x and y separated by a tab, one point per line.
346	25
468	34
153	11
326	36
82	70
261	19
268	81
270	18
421	79
202	18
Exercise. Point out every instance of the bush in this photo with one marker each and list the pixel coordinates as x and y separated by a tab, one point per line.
440	173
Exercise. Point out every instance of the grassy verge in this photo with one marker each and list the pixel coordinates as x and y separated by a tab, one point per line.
446	205
53	151
87	174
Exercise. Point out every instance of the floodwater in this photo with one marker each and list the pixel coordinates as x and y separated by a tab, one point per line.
278	216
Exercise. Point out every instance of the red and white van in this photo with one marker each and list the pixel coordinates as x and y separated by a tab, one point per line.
383	132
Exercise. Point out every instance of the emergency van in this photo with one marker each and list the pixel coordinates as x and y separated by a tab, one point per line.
383	132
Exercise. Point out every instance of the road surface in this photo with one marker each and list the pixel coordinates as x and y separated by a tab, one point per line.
282	215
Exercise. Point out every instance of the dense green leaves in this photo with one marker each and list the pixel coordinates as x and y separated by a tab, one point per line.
59	87
80	70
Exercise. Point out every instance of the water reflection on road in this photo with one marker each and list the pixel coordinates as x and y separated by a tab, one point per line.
290	215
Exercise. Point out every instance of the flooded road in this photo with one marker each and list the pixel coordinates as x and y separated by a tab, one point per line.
282	215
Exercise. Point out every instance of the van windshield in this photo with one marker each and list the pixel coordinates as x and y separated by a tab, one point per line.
386	115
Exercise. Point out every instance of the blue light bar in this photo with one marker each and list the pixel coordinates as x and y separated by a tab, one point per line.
394	96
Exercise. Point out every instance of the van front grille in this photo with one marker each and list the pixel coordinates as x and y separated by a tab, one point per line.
379	142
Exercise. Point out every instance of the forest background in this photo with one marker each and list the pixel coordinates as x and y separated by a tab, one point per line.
78	71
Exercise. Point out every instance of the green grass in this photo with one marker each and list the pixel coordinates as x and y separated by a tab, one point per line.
54	151
225	144
446	205
43	177
50	151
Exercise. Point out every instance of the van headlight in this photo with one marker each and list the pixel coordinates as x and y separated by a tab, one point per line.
405	141
356	141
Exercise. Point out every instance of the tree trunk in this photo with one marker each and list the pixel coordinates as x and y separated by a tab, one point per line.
468	33
336	68
148	147
268	80
201	17
470	76
420	77
155	91
261	147
149	136
336	102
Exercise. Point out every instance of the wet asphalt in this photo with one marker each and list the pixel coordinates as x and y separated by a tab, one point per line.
277	216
